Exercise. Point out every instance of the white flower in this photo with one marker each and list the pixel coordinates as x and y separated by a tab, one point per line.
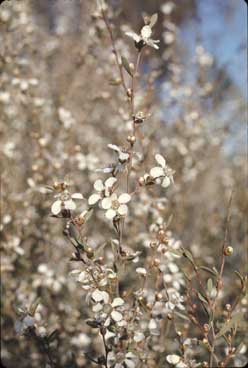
141	271
65	201
129	360
175	300
99	296
102	190
25	323
138	336
144	37
167	8
122	155
173	359
163	171
116	205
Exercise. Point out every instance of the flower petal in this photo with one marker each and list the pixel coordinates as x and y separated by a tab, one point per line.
77	196
117	302
124	198
99	296
98	185
93	199
97	307
70	205
146	32
116	316
106	203
123	156
134	36
110	214
166	182
156	172
110	182
56	207
173	359
160	160
141	271
122	210
114	147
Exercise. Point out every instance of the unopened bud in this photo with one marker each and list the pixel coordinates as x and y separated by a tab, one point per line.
131	139
228	251
158	297
206	328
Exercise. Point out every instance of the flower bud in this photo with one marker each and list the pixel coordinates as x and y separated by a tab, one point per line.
228	251
206	328
158	297
131	139
89	251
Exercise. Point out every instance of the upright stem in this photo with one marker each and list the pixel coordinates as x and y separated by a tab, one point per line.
123	83
133	90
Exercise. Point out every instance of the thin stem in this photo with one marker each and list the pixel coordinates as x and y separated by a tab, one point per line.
105	19
105	348
219	283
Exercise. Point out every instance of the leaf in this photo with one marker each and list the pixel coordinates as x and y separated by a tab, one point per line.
239	348
114	82
153	20
126	65
207	269
236	319
34	306
240	276
181	316
201	297
100	250
53	336
210	285
188	255
174	251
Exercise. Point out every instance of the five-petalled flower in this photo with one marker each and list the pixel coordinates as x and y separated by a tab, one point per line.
144	38
102	190
65	202
116	205
163	171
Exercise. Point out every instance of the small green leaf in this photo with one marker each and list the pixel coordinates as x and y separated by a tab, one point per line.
114	82
188	255
207	269
201	297
210	285
181	316
126	65
240	276
236	319
153	20
34	306
175	251
53	336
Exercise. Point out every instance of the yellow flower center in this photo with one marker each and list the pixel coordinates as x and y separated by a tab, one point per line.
115	205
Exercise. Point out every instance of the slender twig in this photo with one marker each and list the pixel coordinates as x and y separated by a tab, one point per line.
219	282
115	52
